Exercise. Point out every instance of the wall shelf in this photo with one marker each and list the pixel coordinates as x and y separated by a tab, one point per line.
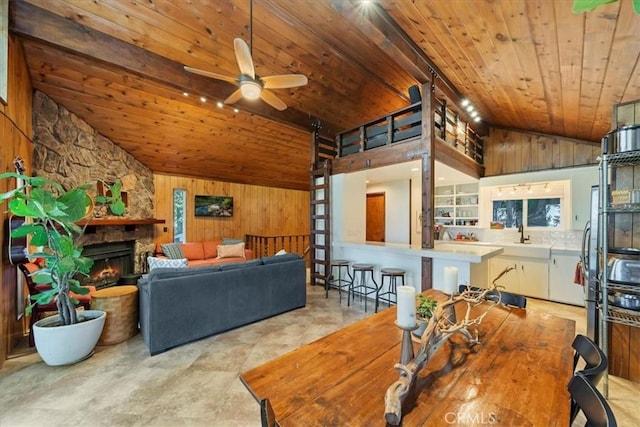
456	205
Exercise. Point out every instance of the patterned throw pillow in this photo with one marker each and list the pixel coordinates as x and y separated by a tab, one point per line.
166	263
172	250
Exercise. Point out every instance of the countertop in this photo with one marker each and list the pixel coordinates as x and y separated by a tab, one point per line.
458	252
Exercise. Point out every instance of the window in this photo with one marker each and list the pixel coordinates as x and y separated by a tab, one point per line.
179	215
544	212
507	212
537	205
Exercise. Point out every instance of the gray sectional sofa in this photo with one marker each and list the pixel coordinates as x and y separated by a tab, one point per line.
178	306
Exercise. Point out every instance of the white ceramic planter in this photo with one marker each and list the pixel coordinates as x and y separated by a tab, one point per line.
64	345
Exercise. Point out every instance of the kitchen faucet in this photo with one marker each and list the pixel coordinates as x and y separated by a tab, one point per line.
521	231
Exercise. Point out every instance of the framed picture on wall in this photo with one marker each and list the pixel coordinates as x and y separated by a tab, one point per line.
216	206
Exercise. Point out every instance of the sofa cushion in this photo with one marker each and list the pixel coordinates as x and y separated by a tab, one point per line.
169	273
279	258
237	265
155	262
226	251
172	250
210	248
193	250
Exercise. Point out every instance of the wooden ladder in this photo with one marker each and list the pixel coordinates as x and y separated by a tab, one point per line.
323	150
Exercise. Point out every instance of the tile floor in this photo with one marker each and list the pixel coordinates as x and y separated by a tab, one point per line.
197	384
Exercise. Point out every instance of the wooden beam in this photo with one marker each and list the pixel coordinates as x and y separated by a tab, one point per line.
38	24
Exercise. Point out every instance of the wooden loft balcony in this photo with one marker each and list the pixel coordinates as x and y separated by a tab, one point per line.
457	143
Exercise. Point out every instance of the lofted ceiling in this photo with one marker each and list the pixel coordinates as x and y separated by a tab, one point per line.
529	65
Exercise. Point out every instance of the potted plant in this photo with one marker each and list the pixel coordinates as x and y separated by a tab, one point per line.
51	222
425	308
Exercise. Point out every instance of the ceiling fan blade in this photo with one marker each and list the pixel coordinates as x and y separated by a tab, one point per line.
243	56
211	74
271	99
284	81
234	97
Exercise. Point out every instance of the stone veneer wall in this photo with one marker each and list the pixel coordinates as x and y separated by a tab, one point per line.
69	151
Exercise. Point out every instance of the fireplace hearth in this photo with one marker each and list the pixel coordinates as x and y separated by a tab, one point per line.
110	261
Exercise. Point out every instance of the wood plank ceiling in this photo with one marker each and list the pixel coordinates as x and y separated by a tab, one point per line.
529	65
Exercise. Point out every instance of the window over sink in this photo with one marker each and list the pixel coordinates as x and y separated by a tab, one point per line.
540	205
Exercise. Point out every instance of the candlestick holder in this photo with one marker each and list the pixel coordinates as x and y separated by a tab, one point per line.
406	353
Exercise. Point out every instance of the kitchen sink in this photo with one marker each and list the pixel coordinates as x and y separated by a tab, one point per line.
527	250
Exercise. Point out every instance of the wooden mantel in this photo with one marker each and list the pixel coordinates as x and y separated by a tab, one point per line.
129	223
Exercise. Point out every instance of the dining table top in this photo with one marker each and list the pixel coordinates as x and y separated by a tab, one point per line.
516	375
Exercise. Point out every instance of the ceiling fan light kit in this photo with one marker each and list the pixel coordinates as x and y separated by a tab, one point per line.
250	89
250	86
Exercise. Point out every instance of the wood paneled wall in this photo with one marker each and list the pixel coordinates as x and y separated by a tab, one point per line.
509	151
15	140
257	210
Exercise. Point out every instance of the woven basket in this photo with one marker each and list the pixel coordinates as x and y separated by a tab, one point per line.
121	305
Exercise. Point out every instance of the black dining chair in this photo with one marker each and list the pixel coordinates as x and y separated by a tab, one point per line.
506	298
595	361
591	402
267	416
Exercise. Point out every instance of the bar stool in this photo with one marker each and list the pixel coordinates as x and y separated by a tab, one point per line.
364	288
392	274
340	283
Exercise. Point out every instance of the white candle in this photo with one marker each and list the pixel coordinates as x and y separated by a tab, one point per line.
406	307
450	280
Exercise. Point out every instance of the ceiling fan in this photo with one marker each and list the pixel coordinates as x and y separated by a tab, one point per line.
251	86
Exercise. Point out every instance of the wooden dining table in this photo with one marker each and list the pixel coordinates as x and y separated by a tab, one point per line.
516	375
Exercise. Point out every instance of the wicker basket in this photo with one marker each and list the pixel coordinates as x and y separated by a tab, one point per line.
121	305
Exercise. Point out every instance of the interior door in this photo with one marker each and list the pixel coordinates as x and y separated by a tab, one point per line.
375	217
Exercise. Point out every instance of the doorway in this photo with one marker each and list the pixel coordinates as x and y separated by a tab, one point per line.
375	217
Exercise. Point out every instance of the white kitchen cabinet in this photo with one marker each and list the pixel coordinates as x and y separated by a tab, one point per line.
530	276
562	267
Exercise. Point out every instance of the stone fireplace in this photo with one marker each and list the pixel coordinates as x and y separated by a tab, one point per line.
68	150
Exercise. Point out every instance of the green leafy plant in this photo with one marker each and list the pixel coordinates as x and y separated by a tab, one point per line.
52	214
425	307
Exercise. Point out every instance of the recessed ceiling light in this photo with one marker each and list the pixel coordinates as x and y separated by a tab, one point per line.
235	110
477	119
469	108
203	99
185	93
465	102
219	104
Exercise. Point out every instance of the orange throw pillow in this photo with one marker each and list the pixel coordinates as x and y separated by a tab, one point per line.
193	250
210	248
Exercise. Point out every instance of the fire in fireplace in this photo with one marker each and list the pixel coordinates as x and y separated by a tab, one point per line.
110	261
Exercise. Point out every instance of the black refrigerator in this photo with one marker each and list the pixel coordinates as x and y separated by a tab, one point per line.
589	258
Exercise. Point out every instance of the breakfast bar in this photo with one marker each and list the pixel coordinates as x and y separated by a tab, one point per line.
516	375
470	260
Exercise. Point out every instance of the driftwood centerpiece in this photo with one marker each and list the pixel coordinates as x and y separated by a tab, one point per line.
442	325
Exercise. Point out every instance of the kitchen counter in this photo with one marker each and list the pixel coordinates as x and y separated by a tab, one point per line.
468	253
469	259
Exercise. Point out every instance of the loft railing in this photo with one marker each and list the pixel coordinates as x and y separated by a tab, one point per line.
269	245
405	124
